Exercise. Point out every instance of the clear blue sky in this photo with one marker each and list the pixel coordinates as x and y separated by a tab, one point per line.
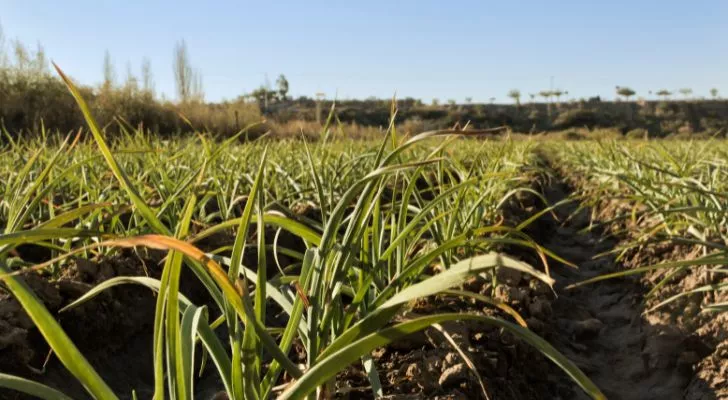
423	49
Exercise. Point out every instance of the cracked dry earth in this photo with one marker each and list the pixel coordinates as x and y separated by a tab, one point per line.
601	327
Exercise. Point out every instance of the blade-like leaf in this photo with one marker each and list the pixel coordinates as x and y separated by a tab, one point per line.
329	366
37	390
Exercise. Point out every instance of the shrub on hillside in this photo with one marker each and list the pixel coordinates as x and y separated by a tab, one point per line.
577	118
32	100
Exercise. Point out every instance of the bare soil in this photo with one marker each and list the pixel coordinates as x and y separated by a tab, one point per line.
113	331
600	326
630	354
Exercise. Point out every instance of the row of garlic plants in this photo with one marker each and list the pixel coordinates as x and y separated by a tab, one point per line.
384	214
661	193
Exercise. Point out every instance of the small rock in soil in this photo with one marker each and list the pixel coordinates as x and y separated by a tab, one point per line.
413	370
221	395
588	328
508	294
379	353
453	375
423	379
450	360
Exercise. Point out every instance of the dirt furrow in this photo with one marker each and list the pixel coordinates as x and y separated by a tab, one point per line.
601	326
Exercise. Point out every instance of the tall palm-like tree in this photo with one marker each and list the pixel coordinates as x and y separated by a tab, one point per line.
625	92
515	94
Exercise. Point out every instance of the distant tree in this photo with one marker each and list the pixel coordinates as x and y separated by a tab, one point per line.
261	95
26	62
546	94
435	102
625	92
664	93
468	100
257	95
109	73
558	93
452	102
183	74
282	84
40	65
197	91
532	96
714	93
268	91
22	56
515	94
147	77
492	100
686	92
131	83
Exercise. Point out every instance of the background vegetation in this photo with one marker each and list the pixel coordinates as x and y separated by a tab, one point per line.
32	98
